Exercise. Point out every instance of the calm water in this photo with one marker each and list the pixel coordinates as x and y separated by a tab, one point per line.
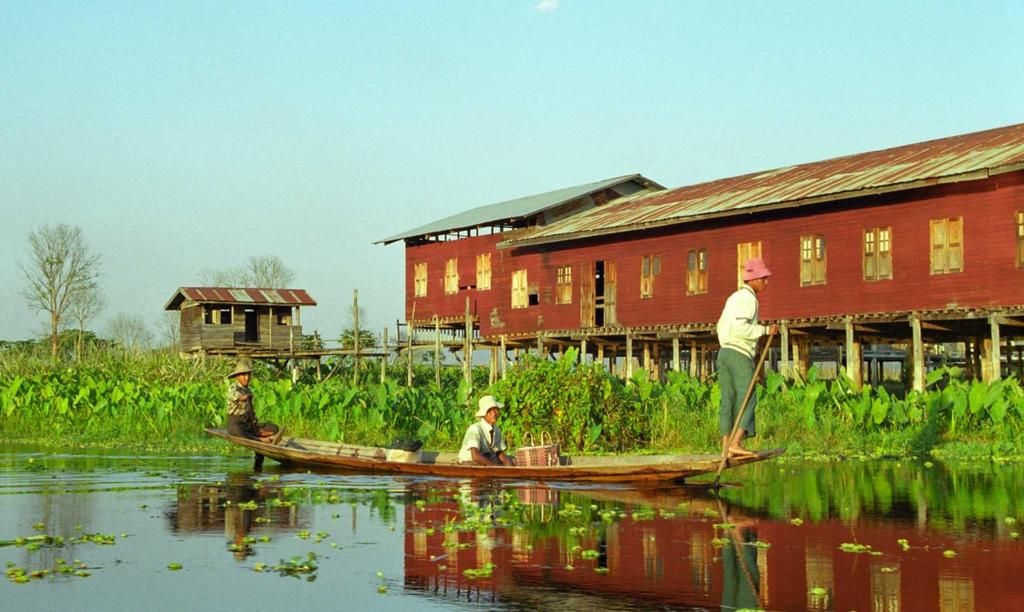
332	541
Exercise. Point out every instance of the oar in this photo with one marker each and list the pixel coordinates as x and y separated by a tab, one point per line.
743	406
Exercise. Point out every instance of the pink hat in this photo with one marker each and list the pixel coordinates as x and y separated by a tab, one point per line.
755	269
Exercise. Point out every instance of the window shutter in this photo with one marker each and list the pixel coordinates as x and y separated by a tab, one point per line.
955	244
937	232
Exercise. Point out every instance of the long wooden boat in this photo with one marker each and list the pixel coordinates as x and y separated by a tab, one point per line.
308	453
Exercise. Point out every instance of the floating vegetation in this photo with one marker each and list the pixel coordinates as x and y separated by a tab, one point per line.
818	591
174	566
949	554
482	572
720	542
760	544
249	505
796	521
20	575
297	567
858	548
589	554
889	569
904	545
601	570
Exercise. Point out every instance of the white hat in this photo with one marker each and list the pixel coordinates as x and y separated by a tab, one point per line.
486	403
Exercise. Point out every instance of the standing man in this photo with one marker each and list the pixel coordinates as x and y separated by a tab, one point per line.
483	443
738	332
241	416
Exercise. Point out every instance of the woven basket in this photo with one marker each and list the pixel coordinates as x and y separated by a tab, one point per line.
534	455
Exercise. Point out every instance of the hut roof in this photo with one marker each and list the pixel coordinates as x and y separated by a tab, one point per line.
958	158
239	295
519	208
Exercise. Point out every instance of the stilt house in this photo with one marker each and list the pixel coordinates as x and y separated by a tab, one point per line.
230	321
917	244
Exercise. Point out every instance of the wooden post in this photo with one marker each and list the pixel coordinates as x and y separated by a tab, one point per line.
784	367
600	353
355	336
504	359
852	356
647	359
675	355
540	346
583	350
492	375
693	359
657	361
917	354
801	358
408	350
995	355
629	356
437	352
384	358
467	347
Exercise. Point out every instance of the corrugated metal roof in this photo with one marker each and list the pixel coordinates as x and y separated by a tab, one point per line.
957	158
240	295
515	209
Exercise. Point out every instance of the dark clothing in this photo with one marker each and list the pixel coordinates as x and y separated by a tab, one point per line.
241	416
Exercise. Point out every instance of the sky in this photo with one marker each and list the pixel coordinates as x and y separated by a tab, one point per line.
185	137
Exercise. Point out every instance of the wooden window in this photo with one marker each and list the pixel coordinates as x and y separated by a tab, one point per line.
650	268
1020	238
451	276
878	253
420	280
284	316
745	251
812	260
697	272
208	314
483	271
520	294
225	315
563	289
947	245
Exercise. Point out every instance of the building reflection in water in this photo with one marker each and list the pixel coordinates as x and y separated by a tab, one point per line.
240	506
885	587
820	577
956	593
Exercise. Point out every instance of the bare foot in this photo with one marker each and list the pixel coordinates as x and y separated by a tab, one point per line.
739	451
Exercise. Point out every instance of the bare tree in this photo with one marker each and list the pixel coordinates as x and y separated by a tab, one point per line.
86	303
269	271
266	271
130	332
62	266
170	329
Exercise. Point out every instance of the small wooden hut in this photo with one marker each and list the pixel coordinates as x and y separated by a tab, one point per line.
232	321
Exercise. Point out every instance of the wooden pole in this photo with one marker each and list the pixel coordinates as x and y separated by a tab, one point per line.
540	346
467	366
917	354
629	356
600	353
675	355
437	352
504	359
784	367
355	337
852	356
384	358
583	350
492	376
995	353
408	348
693	360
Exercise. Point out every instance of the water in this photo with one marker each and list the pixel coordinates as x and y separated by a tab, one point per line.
773	540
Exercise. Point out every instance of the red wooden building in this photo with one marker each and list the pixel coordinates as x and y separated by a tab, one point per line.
921	244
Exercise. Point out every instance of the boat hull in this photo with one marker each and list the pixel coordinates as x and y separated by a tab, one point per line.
307	453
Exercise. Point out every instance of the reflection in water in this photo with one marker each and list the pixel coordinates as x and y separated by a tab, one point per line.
528	546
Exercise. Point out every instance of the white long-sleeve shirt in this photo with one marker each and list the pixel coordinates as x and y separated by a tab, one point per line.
738	328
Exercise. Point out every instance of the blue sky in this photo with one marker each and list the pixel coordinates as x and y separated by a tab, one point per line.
185	137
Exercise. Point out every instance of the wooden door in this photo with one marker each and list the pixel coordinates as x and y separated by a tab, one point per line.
587	295
610	281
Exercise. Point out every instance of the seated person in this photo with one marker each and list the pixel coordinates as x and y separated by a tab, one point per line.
241	416
483	443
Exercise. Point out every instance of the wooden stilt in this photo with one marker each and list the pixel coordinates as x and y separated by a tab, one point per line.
600	353
583	350
853	360
384	357
995	353
408	348
693	360
355	336
629	356
492	375
437	352
917	354
504	359
467	365
784	367
675	355
647	359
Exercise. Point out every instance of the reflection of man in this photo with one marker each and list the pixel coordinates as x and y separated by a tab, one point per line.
483	444
238	489
740	576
